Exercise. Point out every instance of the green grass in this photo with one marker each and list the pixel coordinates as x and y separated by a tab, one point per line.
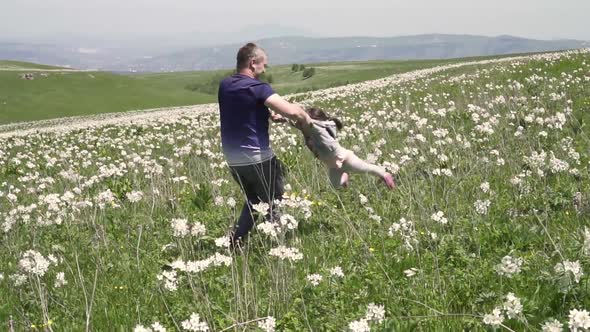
62	94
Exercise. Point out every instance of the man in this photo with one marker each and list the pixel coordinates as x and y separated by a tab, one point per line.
244	104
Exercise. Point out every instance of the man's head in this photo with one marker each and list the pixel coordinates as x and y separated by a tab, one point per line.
251	59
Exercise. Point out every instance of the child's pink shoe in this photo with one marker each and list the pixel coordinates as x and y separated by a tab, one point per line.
388	179
344	180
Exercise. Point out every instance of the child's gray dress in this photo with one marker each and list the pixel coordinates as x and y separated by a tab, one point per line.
324	144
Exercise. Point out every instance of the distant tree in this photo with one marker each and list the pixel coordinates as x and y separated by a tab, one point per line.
295	68
301	67
308	72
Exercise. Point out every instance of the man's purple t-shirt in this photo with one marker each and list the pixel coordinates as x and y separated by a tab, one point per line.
244	120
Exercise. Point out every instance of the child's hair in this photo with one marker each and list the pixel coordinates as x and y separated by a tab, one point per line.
318	114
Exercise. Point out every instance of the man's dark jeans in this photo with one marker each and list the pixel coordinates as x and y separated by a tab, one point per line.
261	182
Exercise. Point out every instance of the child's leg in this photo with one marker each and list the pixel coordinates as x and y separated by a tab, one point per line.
352	163
338	177
344	179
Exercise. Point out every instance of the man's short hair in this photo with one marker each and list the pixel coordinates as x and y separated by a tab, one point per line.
248	52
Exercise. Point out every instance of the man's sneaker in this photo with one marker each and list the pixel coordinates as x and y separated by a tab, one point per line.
388	179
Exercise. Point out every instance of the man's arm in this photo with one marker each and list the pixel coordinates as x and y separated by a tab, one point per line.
288	110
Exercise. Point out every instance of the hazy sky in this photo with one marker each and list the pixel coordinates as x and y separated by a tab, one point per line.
121	19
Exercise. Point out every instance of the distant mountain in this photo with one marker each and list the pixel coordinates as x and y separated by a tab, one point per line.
304	50
82	57
286	50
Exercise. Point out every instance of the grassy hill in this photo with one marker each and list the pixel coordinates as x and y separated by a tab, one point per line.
55	94
60	94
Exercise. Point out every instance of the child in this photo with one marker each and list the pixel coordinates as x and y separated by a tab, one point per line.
322	141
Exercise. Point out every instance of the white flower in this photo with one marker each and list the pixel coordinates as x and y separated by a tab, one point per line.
494	319
12	197
60	280
375	313
481	207
485	187
178	265
405	228
579	319
447	172
411	272
288	221
375	217
222	242
363	199
359	326
557	165
180	227
439	217
197	266
231	202
220	259
18	279
261	207
198	229
283	253
269	228
512	306
574	267
141	328
314	279
169	279
194	324
157	327
552	325
218	201
267	325
134	196
106	197
509	266
33	262
337	272
586	241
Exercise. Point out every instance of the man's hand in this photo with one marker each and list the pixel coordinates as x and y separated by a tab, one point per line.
288	110
275	117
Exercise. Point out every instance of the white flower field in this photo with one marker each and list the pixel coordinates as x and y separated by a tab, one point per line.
120	223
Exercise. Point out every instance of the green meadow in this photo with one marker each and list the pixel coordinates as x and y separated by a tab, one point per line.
55	94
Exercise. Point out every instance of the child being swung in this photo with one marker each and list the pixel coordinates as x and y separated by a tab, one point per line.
322	140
